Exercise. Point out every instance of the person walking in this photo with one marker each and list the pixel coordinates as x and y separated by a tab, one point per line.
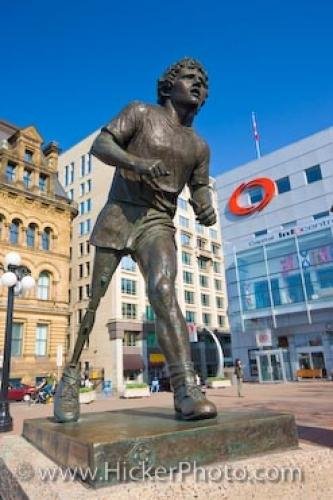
239	376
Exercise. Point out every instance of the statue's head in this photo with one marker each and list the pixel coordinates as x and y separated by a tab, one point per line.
187	80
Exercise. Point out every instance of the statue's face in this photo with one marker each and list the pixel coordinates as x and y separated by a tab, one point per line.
189	88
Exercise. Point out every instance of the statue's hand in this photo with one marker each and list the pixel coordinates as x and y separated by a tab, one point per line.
205	213
152	168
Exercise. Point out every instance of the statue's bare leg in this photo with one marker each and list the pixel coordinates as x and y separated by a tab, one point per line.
66	400
157	258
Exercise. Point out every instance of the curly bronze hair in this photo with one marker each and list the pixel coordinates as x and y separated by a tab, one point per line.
165	82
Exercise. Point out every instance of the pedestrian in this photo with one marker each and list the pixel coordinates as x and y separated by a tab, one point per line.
239	376
155	385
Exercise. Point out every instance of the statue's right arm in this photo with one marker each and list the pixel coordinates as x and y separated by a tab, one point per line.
106	149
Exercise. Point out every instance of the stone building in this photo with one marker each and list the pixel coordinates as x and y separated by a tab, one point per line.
35	221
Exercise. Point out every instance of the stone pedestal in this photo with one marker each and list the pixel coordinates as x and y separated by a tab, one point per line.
123	445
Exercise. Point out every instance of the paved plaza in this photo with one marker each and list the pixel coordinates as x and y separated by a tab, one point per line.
311	403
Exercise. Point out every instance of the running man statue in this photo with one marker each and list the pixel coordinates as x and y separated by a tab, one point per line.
156	152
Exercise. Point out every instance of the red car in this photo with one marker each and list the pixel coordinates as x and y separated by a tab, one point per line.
20	392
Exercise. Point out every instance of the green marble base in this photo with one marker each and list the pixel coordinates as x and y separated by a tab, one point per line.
123	445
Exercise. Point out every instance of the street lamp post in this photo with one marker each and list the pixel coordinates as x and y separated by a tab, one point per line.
18	280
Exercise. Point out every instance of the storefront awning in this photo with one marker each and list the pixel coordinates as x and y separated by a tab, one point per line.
156	359
133	362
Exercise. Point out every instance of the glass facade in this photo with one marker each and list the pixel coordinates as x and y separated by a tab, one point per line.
292	271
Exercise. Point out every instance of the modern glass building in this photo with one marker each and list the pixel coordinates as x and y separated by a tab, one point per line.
279	260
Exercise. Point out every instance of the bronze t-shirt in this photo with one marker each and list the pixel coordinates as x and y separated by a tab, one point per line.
148	131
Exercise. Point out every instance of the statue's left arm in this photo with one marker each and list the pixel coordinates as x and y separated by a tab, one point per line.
201	196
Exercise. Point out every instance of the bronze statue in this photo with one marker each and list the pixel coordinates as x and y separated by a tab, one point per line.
156	152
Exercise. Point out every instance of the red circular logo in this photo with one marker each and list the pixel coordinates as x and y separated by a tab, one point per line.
268	187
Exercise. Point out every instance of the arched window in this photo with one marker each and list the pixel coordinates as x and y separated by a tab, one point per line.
14	231
44	284
46	238
31	235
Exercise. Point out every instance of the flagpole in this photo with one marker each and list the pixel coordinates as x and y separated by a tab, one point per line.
256	134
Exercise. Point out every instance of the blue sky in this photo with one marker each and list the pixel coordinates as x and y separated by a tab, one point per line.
68	67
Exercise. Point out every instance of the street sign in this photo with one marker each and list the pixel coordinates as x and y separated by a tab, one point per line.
192	332
264	338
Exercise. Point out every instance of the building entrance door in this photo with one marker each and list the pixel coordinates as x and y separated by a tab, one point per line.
271	366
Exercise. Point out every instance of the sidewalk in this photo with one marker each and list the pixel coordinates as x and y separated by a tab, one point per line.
310	402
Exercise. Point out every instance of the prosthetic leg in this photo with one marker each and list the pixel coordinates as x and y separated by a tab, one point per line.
66	399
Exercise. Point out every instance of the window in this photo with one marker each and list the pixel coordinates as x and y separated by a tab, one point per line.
150	315
82	188
128	310
186	258
218	284
221	320
128	286
202	263
205	299
81	271
88	186
79	315
184	222
31	235
81	208
321	215
83	165
127	263
213	234
46	238
217	267
313	174
17	339
89	163
27	178
199	228
88	269
215	249
42	183
203	281
255	194
14	230
81	252
219	302
201	244
257	234
283	185
182	203
81	228
188	277
206	319
71	173
130	338
190	316
88	205
185	239
10	172
70	194
28	155
66	176
88	226
87	291
41	339
87	247
43	286
189	297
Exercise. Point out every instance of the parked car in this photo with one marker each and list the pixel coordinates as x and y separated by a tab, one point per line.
21	392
